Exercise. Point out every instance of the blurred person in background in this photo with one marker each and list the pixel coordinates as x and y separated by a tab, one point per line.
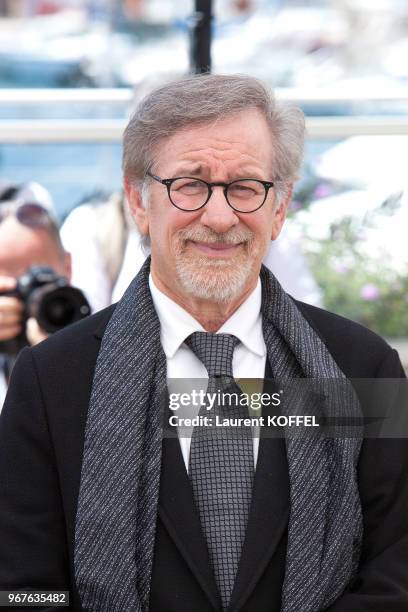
29	238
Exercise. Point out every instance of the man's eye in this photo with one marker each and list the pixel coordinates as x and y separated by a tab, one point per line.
242	190
188	187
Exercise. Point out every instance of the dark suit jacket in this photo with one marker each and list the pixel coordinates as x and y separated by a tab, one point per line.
41	445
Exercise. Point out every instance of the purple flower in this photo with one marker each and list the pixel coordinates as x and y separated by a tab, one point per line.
370	292
295	205
322	191
406	298
340	267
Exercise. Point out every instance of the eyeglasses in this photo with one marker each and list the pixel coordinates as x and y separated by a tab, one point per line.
189	194
30	214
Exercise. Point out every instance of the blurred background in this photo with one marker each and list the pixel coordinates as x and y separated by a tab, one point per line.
71	70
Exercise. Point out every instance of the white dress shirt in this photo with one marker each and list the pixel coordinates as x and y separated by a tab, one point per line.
177	324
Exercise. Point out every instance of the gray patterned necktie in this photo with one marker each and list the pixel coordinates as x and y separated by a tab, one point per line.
221	465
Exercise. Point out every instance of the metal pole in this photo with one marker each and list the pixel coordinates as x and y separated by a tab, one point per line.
200	48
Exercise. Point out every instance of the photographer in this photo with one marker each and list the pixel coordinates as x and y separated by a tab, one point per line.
29	237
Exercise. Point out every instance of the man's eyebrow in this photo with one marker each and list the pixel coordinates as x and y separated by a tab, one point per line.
199	170
187	170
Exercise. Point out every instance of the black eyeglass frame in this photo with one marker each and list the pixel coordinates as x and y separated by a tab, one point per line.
168	183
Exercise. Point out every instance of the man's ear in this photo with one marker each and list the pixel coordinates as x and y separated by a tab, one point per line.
280	213
138	211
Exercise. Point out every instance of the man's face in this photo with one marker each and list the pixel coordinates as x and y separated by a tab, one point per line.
214	253
22	247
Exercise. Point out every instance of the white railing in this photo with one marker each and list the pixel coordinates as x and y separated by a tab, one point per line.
31	131
34	131
124	96
39	131
342	127
65	96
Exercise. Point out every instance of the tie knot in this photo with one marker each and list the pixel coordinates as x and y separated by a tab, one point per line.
215	351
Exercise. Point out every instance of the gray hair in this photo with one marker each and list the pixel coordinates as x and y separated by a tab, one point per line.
201	99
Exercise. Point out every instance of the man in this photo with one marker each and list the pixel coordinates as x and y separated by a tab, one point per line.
28	237
97	501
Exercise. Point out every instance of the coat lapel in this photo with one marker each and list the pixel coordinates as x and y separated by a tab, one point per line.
269	513
179	515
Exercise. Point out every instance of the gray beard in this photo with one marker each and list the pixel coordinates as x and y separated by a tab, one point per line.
219	281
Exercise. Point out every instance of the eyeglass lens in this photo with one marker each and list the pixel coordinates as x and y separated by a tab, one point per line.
192	194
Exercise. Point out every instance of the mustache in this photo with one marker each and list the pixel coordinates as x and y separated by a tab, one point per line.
209	236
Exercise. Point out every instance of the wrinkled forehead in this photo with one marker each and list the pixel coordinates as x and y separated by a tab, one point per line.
243	139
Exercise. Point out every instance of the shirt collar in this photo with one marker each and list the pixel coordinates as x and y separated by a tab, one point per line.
177	324
246	322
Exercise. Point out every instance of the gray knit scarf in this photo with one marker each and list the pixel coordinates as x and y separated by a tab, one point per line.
117	507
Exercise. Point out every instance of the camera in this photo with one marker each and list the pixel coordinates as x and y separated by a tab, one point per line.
48	298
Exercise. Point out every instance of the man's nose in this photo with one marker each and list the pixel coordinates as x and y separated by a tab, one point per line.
218	214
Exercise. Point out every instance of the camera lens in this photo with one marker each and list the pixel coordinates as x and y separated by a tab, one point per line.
57	307
60	311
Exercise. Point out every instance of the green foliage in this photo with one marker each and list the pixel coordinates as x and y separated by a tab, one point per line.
365	288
